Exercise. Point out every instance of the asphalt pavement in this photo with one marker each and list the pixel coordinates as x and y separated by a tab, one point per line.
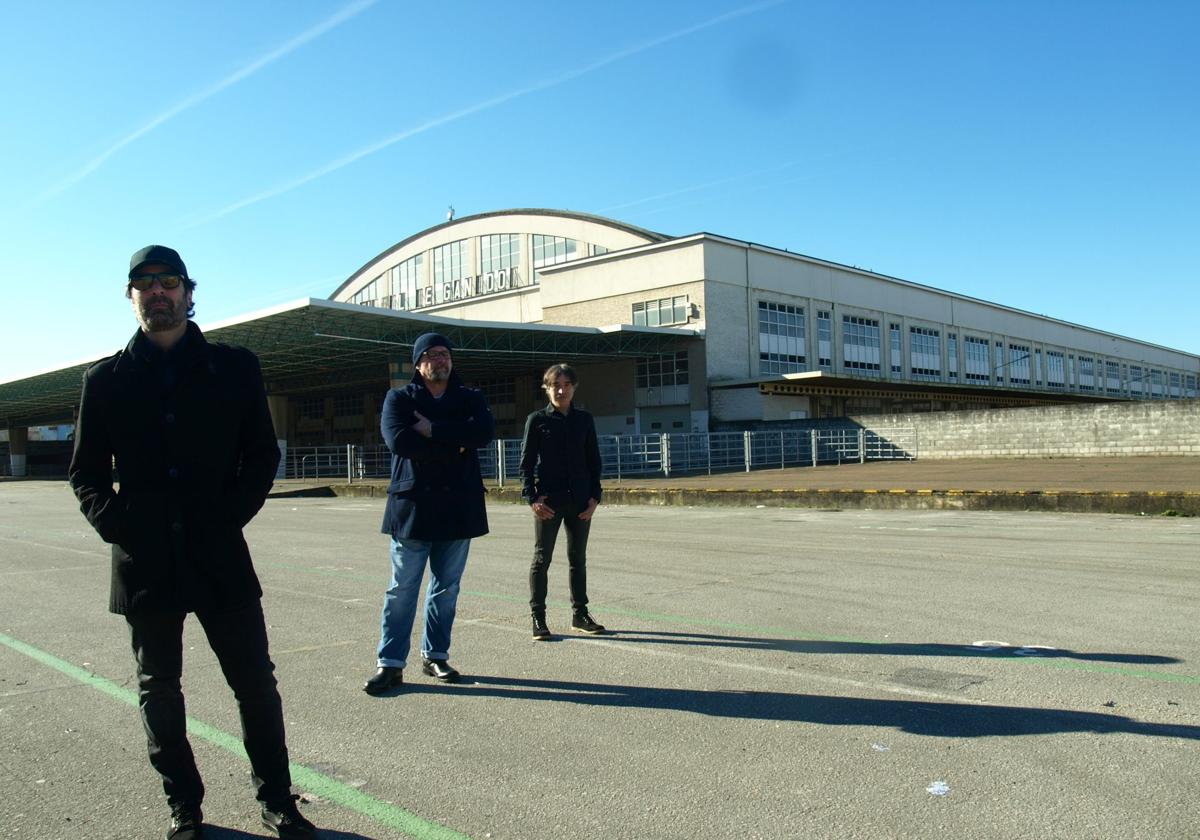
1140	485
773	672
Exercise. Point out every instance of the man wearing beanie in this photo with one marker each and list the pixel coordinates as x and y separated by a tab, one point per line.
435	505
186	424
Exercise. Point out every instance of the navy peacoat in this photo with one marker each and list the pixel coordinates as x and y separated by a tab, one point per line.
436	491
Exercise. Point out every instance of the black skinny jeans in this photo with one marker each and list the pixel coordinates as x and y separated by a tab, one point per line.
545	534
239	639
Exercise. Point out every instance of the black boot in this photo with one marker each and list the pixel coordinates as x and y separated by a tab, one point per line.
584	623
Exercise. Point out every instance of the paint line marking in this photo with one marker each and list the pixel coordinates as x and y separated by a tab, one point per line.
311	780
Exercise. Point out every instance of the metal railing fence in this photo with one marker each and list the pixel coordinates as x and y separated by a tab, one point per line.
625	456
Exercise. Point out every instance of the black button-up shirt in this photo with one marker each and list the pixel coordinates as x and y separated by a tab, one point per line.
560	458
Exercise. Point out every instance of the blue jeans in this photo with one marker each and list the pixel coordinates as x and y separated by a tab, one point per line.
447	560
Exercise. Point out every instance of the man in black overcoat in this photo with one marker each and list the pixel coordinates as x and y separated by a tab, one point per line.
185	424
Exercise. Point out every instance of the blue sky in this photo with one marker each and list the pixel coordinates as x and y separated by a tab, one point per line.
1040	155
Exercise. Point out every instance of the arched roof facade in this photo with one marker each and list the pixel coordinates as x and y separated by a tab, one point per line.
489	255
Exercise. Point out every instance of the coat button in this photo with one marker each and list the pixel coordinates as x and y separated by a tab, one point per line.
169	418
173	473
177	527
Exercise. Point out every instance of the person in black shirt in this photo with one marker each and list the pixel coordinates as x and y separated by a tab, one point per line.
560	472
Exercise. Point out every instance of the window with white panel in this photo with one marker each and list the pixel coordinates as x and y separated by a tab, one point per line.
781	338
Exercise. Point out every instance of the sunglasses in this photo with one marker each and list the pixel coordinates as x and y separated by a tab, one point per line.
435	355
142	282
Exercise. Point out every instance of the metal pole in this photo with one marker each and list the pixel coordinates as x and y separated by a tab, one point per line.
747	454
500	462
781	458
665	444
862	445
349	463
814	447
617	441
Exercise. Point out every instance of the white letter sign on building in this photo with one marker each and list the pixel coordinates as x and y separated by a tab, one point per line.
469	287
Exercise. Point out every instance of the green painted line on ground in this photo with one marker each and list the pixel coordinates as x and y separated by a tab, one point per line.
311	780
934	650
1073	665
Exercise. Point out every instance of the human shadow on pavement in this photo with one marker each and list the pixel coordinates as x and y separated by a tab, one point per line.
823	646
918	717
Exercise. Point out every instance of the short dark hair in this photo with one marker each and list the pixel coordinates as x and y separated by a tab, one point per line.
554	371
188	285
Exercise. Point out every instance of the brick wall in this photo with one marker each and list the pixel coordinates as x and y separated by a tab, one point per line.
1126	428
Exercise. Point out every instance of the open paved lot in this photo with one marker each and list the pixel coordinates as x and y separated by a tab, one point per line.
774	674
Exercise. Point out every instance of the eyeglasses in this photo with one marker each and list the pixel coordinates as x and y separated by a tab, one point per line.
436	355
142	282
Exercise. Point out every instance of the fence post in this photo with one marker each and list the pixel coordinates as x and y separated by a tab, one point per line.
862	445
782	459
665	448
814	447
747	449
349	463
617	441
499	462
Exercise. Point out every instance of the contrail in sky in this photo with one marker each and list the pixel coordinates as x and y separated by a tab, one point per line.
485	105
842	152
704	186
196	98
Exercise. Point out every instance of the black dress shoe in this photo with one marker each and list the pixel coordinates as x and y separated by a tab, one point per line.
541	632
187	823
439	669
384	679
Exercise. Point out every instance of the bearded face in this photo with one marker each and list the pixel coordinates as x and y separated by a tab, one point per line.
435	365
159	309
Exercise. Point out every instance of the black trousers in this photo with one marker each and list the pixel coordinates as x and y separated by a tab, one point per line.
239	639
545	534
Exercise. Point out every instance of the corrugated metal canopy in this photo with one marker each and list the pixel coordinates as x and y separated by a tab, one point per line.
317	345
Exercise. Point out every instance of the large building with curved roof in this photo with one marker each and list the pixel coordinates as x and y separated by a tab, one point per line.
766	335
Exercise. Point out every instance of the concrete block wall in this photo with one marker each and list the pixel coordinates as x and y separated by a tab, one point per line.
1163	427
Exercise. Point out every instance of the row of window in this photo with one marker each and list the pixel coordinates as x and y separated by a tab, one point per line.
662	371
404	286
661	312
782	349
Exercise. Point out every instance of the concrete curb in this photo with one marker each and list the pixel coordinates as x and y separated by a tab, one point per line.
1066	501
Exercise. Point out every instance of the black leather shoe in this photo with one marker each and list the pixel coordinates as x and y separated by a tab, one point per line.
285	819
541	632
439	669
385	678
187	823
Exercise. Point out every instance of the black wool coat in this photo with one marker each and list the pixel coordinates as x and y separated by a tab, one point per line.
436	491
195	453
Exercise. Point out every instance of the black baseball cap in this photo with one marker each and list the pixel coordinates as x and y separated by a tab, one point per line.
157	254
